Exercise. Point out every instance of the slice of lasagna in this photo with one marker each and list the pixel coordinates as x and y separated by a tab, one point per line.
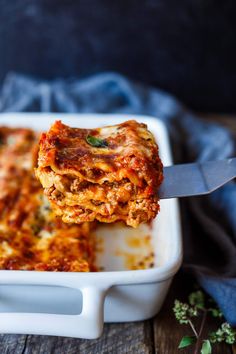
108	174
32	237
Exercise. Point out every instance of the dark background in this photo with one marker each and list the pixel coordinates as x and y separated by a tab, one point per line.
186	47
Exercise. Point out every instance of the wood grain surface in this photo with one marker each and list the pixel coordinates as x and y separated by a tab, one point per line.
117	338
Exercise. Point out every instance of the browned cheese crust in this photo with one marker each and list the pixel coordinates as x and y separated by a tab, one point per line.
117	180
32	237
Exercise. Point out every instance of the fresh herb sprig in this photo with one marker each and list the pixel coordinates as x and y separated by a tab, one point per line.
96	142
198	306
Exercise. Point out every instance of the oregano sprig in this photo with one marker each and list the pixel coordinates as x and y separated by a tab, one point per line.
199	305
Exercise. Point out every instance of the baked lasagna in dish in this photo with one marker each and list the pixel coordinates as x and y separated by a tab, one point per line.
32	237
106	174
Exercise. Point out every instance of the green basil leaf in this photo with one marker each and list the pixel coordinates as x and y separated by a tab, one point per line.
206	347
186	341
96	142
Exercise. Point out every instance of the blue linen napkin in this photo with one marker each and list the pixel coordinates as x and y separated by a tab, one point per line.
209	222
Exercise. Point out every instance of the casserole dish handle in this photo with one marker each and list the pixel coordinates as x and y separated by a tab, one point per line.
88	324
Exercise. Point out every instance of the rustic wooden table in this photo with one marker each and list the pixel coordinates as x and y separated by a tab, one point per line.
159	335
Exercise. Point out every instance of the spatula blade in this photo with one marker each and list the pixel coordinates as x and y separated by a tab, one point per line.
196	178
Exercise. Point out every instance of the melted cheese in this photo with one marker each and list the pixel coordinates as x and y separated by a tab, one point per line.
107	183
31	236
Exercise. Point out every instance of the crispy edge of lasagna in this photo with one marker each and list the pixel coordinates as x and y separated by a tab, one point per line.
32	237
107	174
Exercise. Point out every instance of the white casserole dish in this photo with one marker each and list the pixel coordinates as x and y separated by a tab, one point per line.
77	304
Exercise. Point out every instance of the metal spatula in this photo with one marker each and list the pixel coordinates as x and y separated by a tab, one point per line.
196	178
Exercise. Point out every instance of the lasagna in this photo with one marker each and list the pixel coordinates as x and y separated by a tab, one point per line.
106	174
32	237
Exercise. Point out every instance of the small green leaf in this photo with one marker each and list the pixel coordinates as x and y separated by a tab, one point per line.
197	299
186	341
96	142
215	312
206	347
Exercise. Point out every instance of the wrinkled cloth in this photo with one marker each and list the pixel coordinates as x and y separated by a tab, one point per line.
209	222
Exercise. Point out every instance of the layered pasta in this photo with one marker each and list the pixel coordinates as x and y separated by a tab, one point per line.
32	237
107	174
